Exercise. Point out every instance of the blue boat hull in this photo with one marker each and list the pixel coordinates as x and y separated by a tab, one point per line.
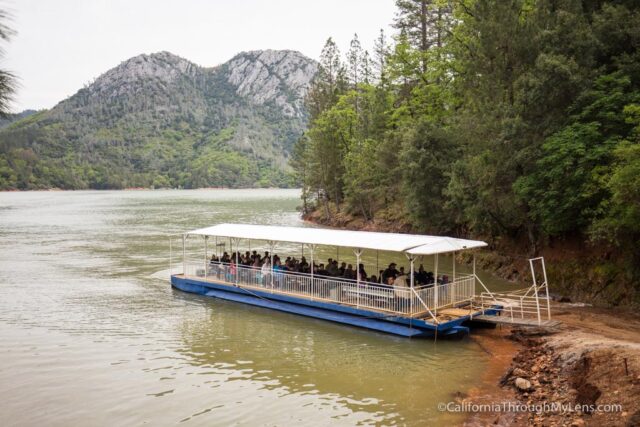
402	326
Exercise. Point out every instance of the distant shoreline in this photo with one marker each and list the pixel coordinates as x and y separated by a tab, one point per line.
146	189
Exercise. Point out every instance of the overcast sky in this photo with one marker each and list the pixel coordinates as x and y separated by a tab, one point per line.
62	44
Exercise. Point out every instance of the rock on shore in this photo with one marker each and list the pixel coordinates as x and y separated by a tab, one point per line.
572	372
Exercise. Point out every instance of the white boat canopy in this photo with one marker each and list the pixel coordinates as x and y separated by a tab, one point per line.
416	244
446	244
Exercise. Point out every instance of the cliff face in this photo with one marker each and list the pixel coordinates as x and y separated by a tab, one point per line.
279	77
161	120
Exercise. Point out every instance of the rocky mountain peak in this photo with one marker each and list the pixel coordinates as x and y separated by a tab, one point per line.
161	67
272	76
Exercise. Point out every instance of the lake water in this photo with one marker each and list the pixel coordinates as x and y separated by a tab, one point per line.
91	332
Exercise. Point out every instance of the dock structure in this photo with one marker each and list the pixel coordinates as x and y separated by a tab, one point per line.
515	321
407	309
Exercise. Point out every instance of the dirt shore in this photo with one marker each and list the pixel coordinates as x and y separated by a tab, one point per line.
585	372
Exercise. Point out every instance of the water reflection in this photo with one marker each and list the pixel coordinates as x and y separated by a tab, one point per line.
390	378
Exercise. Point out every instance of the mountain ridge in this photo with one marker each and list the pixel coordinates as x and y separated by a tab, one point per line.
160	120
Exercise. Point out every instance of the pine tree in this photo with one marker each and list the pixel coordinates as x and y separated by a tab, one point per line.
329	81
424	23
7	79
354	61
380	53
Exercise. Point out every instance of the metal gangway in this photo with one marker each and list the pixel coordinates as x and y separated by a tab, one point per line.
525	307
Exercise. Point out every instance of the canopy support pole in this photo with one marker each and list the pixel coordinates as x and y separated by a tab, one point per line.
454	265
206	256
358	253
411	280
435	285
377	266
170	259
237	258
184	255
272	246
474	263
312	249
453	289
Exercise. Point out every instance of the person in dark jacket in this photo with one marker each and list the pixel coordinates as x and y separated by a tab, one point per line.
350	273
390	272
363	273
342	268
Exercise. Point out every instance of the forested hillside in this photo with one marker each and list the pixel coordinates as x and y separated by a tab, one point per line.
513	120
161	121
7	119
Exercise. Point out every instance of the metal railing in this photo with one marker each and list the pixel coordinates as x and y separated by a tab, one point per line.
515	305
401	300
532	303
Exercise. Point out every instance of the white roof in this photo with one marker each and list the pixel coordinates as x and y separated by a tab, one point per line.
397	242
446	244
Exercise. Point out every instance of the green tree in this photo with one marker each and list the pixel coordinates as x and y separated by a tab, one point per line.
7	79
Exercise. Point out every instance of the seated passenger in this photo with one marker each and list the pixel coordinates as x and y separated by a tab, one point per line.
429	278
362	272
321	270
342	268
401	280
349	273
266	268
390	272
328	265
332	267
421	276
233	269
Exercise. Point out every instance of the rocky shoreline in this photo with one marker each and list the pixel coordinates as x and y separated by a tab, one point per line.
582	373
